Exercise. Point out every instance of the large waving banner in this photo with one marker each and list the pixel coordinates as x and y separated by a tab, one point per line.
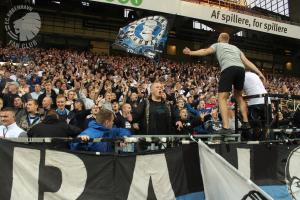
43	173
146	36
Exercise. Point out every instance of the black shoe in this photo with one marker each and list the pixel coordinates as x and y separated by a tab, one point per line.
245	126
225	131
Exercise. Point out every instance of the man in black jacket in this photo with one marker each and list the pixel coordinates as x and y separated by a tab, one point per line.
154	115
49	92
53	127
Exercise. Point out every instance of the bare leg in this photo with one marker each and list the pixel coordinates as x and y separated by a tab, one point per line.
222	98
242	104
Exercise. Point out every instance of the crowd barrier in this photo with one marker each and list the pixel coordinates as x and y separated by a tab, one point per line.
271	126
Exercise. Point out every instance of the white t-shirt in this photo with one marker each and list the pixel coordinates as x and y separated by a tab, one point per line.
253	86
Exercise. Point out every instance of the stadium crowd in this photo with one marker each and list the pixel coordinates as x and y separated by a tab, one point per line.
58	93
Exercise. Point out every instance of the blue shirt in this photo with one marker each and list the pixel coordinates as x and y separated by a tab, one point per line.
96	130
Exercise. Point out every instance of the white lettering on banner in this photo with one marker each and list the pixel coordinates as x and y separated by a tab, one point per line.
25	183
223	16
154	167
244	161
74	175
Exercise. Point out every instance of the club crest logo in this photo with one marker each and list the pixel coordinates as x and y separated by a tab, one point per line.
22	25
292	174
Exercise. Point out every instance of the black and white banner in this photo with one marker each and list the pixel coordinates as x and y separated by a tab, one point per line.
38	172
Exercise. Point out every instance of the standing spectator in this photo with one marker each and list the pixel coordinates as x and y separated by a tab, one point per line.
214	123
52	126
101	128
37	92
49	92
115	106
46	106
1	104
154	116
71	97
189	123
107	103
77	116
3	79
61	107
24	89
92	117
9	94
232	62
256	106
9	127
124	117
19	108
32	116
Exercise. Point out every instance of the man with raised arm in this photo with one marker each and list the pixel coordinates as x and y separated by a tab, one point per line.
232	62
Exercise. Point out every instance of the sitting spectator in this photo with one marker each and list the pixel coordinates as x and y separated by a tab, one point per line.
31	117
101	128
9	127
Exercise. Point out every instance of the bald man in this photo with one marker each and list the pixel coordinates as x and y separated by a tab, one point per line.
232	62
154	115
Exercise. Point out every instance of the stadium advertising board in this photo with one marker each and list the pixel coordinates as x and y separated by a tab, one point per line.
213	14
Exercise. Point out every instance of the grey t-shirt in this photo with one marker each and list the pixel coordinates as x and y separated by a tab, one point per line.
228	55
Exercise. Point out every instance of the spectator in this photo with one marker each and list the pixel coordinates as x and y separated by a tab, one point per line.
92	117
152	112
61	107
9	127
214	123
124	117
31	117
1	104
256	106
232	62
189	123
46	106
107	103
115	106
9	94
101	128
37	92
19	109
49	92
71	97
52	126
77	116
